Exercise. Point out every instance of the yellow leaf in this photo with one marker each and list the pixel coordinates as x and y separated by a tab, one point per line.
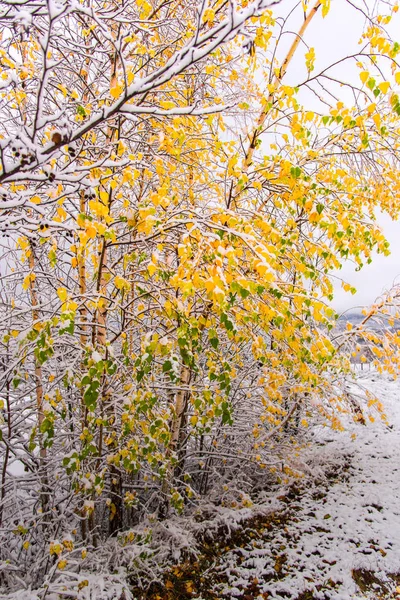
61	213
397	77
121	283
364	76
384	86
116	91
55	548
209	16
36	200
377	120
27	281
146	8
71	306
151	268
326	4
63	89
91	231
98	208
84	582
23	243
189	586
62	294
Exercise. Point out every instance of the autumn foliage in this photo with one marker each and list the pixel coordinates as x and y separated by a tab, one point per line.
172	213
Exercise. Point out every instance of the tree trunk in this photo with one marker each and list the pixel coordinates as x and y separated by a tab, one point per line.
43	476
178	423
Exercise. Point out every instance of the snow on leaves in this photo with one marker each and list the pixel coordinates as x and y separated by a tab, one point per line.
170	224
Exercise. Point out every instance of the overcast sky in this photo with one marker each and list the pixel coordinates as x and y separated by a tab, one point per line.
333	38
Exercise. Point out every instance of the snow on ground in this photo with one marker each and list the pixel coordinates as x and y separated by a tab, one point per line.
337	533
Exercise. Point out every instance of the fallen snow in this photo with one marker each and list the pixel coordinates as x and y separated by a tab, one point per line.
335	527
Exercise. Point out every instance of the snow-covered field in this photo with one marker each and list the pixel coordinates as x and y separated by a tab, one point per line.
341	539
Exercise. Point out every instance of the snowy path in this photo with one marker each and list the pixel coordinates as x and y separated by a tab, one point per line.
342	539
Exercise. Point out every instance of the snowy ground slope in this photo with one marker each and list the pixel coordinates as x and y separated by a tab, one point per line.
336	534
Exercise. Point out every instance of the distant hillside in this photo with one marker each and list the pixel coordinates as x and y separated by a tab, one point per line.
375	323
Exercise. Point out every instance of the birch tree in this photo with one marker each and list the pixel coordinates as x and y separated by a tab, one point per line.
171	214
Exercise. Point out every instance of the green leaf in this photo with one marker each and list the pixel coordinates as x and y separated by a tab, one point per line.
167	366
91	394
295	172
214	342
226	321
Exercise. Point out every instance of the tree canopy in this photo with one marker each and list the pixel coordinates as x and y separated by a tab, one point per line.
173	215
